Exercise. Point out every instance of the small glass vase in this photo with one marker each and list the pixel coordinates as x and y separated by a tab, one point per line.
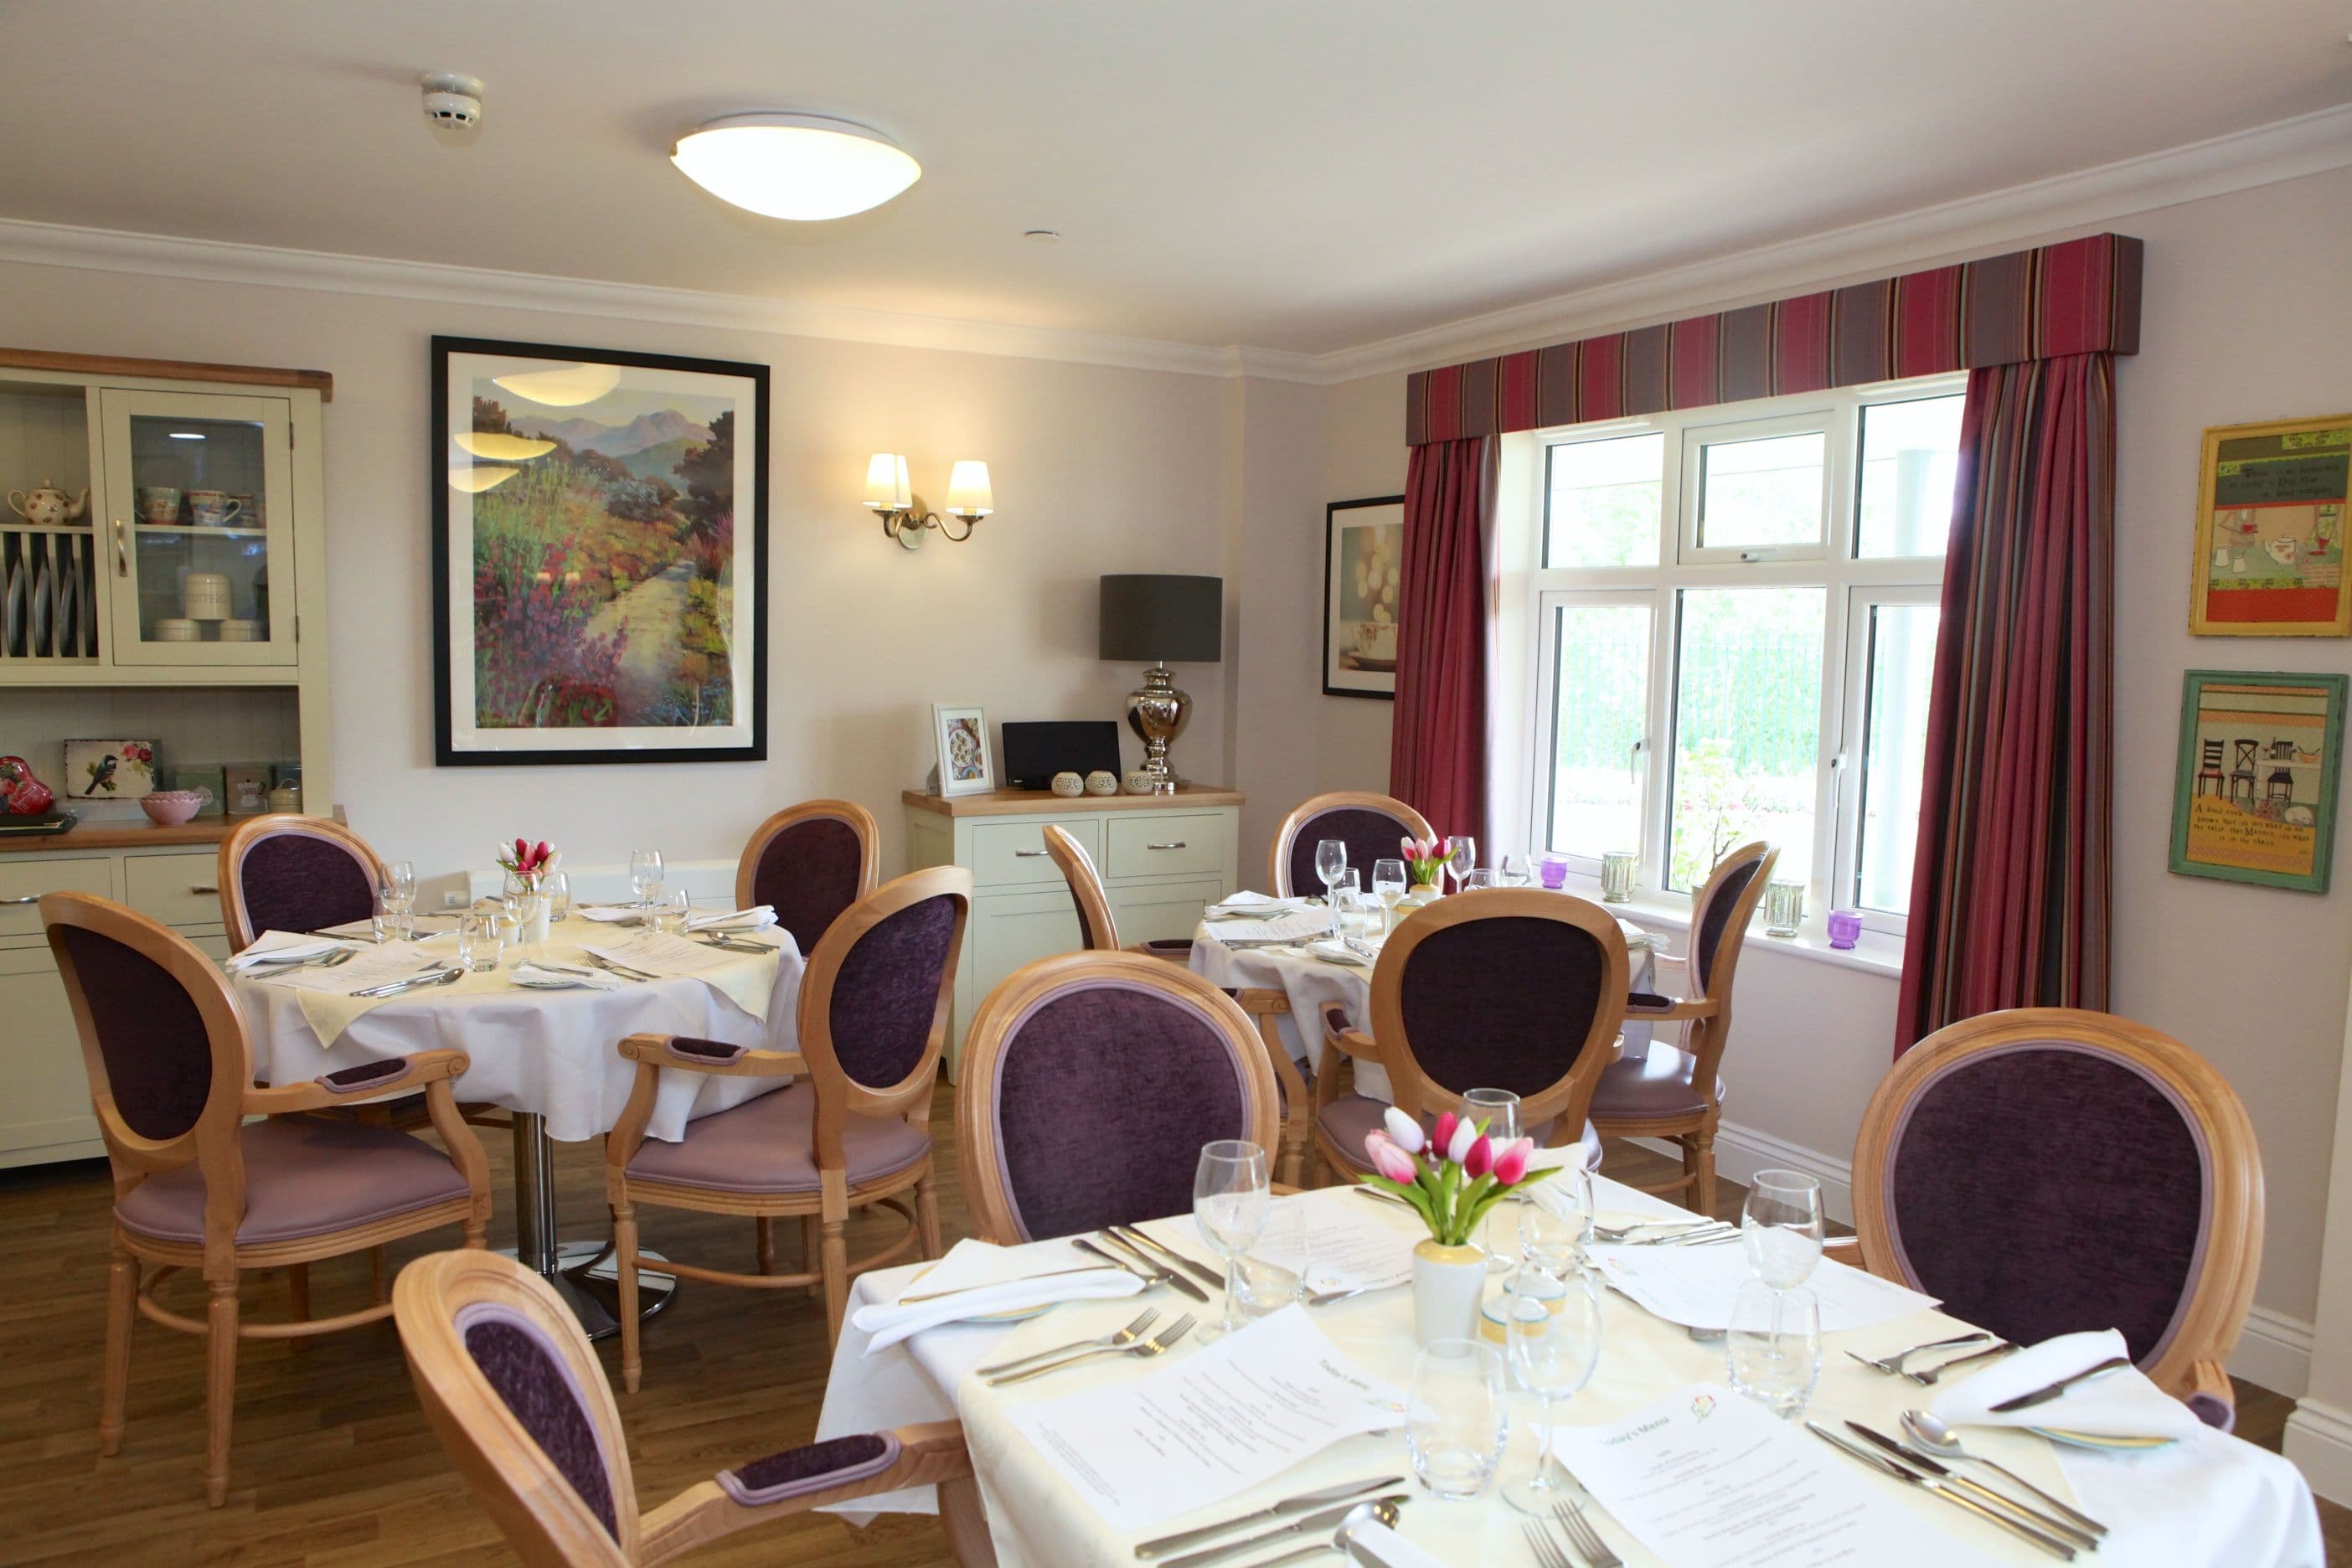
1447	1283
1784	908
1617	876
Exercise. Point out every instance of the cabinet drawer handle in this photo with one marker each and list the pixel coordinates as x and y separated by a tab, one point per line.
1027	854
215	892
1179	844
27	899
121	555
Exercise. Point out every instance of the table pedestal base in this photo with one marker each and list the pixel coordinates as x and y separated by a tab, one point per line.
584	1273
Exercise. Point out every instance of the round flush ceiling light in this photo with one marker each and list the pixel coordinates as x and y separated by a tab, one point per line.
806	167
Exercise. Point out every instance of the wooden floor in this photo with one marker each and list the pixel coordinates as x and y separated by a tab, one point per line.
334	1464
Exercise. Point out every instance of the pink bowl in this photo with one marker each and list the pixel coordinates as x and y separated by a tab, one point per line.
170	807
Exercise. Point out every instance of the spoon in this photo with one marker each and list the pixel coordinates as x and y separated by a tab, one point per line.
1383	1512
1939	1438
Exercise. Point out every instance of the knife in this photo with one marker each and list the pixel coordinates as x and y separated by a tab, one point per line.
1909	1477
1139	1263
1311	1524
1302	1503
2025	1512
1136	1235
2049	1390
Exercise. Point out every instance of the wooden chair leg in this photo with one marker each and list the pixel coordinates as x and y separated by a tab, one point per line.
812	1250
122	1312
1698	1161
835	1267
625	1254
927	1216
220	1387
767	1232
966	1521
379	1274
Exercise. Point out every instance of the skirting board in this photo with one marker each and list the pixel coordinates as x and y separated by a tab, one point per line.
2274	1351
2319	1441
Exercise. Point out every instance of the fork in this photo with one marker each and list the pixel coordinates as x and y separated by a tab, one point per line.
1712	1231
1619	1232
1927	1379
1893	1364
1582	1536
1118	1341
622	970
1158	1343
1547	1550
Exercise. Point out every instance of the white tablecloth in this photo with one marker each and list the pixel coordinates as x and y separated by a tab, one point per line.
2249	1508
551	1053
1313	985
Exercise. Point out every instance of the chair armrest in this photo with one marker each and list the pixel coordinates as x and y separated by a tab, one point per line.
1354	1043
801	1478
1175	949
346	1085
2211	1395
687	1054
1263	1001
1645	1005
1849	1244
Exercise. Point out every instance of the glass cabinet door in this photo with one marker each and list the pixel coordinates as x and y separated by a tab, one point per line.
199	528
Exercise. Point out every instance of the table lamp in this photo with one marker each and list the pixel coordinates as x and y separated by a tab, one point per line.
1158	617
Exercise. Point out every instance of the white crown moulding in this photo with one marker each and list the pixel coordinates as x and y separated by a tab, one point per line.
2284	150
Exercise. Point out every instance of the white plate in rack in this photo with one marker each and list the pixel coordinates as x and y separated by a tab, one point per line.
68	597
11	644
41	612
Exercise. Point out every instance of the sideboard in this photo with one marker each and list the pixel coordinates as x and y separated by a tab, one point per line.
1161	857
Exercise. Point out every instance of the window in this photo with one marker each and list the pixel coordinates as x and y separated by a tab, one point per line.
1735	619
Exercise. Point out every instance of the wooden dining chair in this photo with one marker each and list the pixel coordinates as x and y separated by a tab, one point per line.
1089	1083
196	1187
1515	988
510	1387
810	862
2047	1170
1371	826
854	1131
289	872
1677	1091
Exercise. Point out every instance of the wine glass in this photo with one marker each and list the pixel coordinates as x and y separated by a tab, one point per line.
1457	1417
1556	1221
1496	1110
559	897
1231	1192
1517	872
644	874
1464	860
399	879
1388	885
1772	1351
1330	859
1554	1352
1781	1226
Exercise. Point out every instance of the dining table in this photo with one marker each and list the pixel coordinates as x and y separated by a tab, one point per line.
549	1057
2211	1501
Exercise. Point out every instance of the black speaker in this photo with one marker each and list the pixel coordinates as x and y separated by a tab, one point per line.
1033	754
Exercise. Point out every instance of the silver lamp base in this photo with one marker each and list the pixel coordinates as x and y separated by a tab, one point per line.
1156	711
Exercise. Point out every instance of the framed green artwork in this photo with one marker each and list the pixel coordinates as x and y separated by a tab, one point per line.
2253	794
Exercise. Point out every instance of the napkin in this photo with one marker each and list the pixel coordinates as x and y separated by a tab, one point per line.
753	919
533	974
2122	1403
616	914
1255	906
1376	1543
1332	950
282	947
988	1279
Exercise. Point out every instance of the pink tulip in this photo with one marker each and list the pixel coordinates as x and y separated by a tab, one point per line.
1388	1159
1511	1162
1479	1159
1441	1138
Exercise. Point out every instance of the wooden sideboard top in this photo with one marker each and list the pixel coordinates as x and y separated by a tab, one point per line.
1025	802
139	835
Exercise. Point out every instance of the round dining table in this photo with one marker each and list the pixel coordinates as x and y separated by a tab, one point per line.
549	1057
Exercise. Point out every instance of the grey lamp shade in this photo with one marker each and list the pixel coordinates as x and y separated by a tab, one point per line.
1146	619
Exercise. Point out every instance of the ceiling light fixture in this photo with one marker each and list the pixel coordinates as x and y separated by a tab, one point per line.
804	167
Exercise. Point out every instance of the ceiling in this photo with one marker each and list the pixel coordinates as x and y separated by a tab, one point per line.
1307	175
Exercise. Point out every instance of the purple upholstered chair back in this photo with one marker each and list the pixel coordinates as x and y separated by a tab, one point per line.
158	1057
1501	1004
888	992
1369	834
1713	920
295	881
2048	1186
810	870
529	1372
1104	1093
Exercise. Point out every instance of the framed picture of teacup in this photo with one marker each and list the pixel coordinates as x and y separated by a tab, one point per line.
159	503
1363	554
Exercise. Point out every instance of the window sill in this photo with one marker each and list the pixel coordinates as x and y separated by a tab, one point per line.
1874	954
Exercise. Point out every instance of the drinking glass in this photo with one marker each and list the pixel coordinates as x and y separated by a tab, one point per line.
1480	877
480	936
1517	871
1556	1221
671	911
1358	914
1553	1354
1457	1419
644	874
396	914
1388	885
558	889
1231	1191
1497	1110
1772	1351
1783	1228
1464	860
1330	859
1274	1271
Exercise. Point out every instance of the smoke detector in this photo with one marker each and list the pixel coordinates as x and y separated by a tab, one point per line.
452	102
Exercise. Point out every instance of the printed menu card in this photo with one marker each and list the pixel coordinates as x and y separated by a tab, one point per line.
1707	1479
1219	1421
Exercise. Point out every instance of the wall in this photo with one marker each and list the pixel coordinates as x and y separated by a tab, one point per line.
2245	317
1097	469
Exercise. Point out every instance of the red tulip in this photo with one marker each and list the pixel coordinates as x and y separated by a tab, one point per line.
522	850
539	853
1441	1138
1480	1159
1511	1164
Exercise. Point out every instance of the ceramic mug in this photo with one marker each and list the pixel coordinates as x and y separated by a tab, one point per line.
158	503
1068	785
212	509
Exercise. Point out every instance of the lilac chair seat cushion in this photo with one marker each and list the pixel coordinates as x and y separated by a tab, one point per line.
809	872
293	881
768	1145
1660	1083
530	1376
1369	834
303	1176
2046	1187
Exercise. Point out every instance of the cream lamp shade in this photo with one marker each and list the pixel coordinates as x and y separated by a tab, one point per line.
806	167
886	486
967	493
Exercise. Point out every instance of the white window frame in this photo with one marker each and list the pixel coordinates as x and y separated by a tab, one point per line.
1852	759
1852	584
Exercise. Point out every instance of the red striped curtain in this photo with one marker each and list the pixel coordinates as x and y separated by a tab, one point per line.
1437	747
2008	892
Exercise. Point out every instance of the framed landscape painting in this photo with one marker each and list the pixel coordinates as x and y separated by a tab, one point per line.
2271	501
599	555
2254	788
1363	551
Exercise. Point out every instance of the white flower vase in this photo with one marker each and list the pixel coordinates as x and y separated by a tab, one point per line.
1447	1283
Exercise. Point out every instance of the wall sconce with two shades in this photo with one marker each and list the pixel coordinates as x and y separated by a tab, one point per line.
892	499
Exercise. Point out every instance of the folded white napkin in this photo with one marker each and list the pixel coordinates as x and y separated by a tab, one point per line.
533	975
1378	1543
976	1279
2122	1403
1330	950
1245	898
753	919
616	914
282	947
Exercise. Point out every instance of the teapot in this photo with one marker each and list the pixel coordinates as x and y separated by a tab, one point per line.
46	506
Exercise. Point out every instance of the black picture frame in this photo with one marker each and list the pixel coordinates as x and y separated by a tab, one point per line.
1348	670
745	733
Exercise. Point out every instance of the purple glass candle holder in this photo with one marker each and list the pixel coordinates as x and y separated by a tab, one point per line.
1554	871
1845	926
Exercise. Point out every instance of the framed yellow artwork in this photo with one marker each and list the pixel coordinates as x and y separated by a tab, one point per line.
2271	502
